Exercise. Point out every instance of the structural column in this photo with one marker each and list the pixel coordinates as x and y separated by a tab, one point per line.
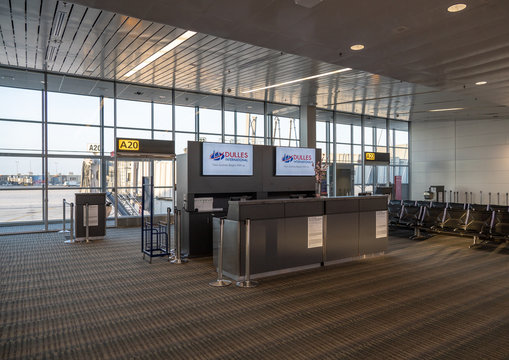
307	126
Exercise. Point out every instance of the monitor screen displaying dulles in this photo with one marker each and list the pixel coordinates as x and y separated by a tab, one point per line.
292	161
227	159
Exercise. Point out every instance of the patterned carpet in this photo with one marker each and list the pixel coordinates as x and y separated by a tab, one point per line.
422	300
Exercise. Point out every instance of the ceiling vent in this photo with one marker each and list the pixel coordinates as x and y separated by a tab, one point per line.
307	3
57	31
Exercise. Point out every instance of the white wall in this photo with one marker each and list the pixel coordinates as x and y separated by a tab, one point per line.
470	156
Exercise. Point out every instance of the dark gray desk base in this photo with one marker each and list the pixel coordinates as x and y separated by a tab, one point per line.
279	246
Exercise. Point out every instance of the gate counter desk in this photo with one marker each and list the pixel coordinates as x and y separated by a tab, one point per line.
296	234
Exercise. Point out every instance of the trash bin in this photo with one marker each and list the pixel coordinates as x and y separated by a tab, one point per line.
96	215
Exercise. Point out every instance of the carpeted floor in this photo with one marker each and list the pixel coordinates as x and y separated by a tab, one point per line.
429	299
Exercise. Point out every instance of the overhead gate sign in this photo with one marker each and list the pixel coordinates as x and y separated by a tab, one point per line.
144	147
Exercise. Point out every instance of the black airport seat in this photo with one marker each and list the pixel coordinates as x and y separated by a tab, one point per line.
454	220
479	222
431	217
409	202
438	205
478	207
501	208
394	208
424	203
410	215
500	228
458	206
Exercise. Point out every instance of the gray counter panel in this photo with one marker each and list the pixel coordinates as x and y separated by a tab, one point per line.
303	208
342	236
373	203
368	243
341	205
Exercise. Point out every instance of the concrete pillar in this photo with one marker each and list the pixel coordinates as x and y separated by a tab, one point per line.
307	126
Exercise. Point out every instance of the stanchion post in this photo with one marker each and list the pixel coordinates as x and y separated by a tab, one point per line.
220	282
72	222
450	195
63	216
498	198
71	232
178	255
507	199
466	197
247	283
489	198
480	201
168	219
86	222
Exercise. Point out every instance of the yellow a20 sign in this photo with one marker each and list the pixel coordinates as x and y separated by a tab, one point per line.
370	156
128	145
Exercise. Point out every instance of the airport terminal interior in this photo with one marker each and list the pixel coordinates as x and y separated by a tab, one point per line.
254	179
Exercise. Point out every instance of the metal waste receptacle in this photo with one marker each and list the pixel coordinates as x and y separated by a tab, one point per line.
93	207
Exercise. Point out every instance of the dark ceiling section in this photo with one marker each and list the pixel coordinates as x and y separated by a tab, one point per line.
436	56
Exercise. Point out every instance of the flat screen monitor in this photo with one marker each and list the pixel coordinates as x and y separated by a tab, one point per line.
292	161
227	159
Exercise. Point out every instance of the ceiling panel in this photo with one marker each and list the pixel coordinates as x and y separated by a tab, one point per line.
100	44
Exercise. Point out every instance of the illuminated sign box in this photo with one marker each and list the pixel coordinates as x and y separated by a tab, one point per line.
227	159
291	161
144	147
377	158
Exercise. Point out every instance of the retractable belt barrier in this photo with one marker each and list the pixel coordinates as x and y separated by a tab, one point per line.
247	283
178	229
64	230
220	282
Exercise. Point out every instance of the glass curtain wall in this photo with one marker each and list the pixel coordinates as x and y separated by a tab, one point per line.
345	137
71	141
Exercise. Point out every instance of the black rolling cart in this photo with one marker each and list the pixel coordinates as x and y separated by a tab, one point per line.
154	238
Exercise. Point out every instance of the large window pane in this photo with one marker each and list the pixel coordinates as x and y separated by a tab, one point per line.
343	153
162	116
401	138
229	122
321	131
73	109
343	133
357	139
135	114
368	136
74	172
72	139
20	104
181	140
20	137
210	121
109	111
381	137
250	125
23	171
357	156
184	118
20	204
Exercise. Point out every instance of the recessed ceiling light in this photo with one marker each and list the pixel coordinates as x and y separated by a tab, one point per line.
456	7
297	80
357	47
450	109
185	36
481	83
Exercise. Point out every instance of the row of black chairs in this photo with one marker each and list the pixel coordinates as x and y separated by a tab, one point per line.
482	222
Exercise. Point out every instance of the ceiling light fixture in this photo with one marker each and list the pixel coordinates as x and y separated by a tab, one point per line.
450	109
357	47
185	36
297	80
456	7
481	83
